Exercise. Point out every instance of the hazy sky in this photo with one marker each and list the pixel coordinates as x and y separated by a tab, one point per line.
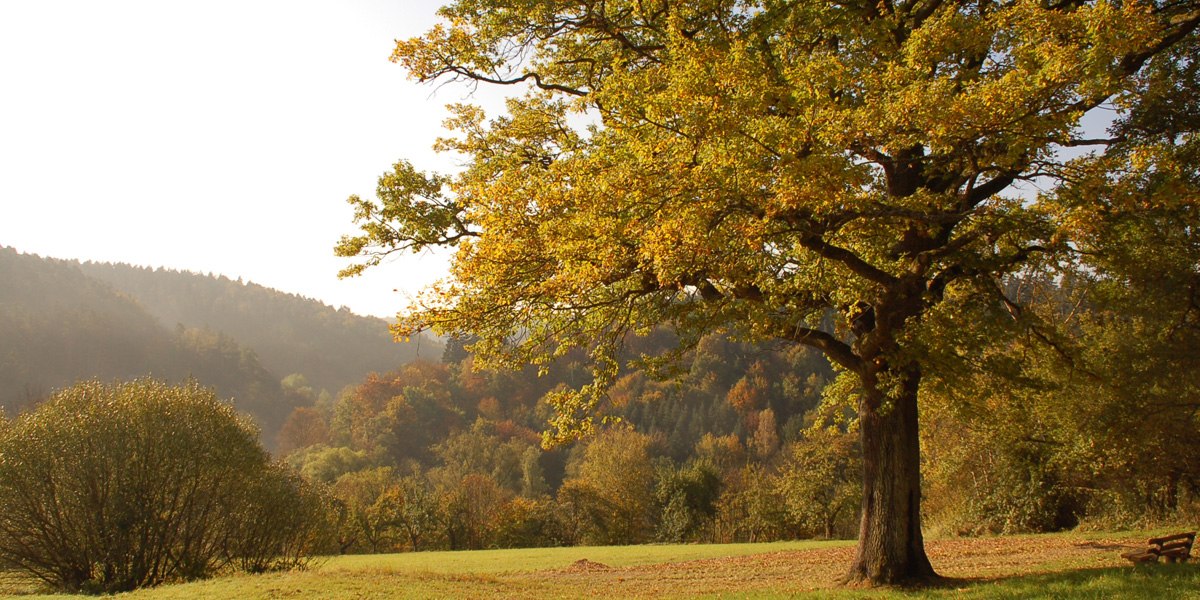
215	136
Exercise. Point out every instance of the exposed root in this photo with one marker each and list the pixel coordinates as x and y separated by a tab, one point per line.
857	579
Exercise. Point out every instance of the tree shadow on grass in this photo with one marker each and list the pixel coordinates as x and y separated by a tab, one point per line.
1146	581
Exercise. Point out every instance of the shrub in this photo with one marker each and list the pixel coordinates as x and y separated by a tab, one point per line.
282	519
107	488
687	497
820	484
526	523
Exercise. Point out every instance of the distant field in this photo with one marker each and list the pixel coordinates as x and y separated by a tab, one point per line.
1046	566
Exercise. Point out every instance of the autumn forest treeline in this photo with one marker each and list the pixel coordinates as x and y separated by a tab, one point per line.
1085	425
1092	424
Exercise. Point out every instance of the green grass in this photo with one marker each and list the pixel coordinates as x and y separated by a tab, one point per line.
424	574
493	562
1056	566
1162	582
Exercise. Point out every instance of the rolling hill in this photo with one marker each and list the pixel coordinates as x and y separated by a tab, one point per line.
63	320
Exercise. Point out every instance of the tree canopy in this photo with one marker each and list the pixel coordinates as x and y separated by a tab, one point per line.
848	176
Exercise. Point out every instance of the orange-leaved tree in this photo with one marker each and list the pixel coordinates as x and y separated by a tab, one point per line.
826	174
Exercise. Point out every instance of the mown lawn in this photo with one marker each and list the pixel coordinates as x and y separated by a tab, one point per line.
1070	565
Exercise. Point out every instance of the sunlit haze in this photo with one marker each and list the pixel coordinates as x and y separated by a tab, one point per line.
220	136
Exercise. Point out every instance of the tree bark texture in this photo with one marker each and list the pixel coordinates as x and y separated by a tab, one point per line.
891	548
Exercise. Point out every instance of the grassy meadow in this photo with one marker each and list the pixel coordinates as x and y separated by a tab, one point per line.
1073	565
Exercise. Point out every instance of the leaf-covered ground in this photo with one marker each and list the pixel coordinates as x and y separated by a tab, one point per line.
1048	566
966	562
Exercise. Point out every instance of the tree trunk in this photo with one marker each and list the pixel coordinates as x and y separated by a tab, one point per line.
891	549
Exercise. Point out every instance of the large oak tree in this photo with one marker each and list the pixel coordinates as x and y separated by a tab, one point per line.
827	174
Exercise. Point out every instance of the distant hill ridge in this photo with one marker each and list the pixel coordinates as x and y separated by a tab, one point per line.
291	334
62	320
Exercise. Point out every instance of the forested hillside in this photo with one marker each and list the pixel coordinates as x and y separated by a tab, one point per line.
60	321
290	334
741	441
448	455
57	324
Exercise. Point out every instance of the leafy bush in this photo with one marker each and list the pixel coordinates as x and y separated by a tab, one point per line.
687	497
819	484
108	488
996	480
282	520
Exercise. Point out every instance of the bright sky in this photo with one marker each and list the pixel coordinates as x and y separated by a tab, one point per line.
216	136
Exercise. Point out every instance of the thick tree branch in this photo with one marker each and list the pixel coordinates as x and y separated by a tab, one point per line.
976	194
1183	25
1073	143
837	350
847	258
537	80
